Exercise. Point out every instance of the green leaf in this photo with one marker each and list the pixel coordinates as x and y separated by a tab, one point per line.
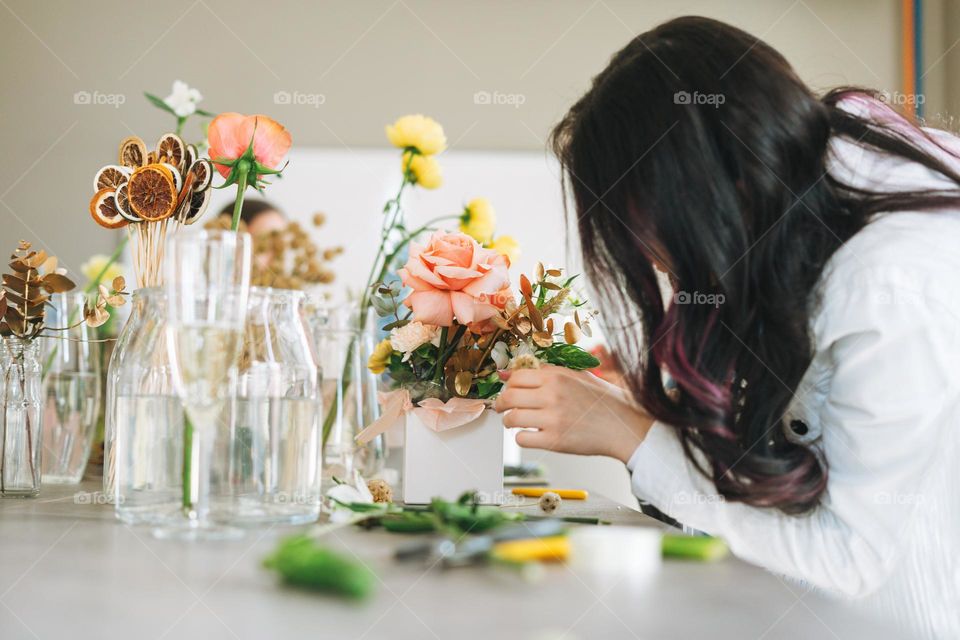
159	104
205	113
570	356
489	386
300	561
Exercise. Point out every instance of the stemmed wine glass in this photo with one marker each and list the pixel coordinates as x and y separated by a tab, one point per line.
207	281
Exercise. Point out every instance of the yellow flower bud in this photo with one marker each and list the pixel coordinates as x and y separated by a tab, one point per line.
423	170
92	268
479	220
380	357
418	131
508	246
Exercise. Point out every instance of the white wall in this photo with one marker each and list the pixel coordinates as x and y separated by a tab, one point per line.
370	60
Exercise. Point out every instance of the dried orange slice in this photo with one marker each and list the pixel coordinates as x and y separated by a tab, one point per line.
202	172
103	208
175	173
123	204
151	192
198	204
133	153
192	156
171	149
111	177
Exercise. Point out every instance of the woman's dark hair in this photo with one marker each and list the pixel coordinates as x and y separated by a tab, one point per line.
250	210
699	148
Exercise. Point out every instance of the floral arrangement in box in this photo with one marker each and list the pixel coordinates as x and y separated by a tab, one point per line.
460	323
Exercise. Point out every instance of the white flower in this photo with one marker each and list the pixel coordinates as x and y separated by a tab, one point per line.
182	99
500	354
412	336
341	495
524	357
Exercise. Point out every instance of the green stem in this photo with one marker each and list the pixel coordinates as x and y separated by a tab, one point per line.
438	371
189	502
241	189
444	355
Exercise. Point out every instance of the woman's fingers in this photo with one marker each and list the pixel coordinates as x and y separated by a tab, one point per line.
513	398
523	378
534	439
528	418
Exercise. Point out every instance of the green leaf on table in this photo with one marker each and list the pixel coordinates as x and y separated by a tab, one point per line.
570	356
302	562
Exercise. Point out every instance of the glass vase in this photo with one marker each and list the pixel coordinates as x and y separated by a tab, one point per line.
21	402
274	445
343	345
71	381
143	439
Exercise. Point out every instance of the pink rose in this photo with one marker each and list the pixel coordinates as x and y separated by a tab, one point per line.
453	277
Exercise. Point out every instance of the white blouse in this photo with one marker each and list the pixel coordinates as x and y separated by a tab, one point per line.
881	400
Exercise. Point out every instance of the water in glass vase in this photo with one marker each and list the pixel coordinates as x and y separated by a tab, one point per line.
149	458
205	355
71	408
274	474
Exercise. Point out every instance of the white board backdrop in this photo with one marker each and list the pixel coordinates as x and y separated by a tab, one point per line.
351	186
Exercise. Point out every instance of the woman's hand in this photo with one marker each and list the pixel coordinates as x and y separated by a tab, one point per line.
573	412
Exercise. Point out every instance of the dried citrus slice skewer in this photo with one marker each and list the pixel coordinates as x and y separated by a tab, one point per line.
151	192
177	176
202	171
123	204
133	153
171	149
192	156
198	205
103	208
111	177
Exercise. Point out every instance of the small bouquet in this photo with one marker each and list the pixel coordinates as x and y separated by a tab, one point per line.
460	323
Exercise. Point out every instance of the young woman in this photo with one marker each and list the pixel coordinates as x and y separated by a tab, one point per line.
798	391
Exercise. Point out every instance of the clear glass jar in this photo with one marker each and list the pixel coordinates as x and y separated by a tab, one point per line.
274	453
21	426
143	440
343	346
71	381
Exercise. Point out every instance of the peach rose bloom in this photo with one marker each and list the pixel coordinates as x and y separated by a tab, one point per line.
453	277
229	136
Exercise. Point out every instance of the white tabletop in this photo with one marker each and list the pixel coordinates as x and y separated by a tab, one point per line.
68	569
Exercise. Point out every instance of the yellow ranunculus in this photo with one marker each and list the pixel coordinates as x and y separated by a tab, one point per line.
479	220
92	268
380	357
418	131
506	245
424	170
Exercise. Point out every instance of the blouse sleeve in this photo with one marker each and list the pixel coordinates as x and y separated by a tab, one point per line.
894	357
